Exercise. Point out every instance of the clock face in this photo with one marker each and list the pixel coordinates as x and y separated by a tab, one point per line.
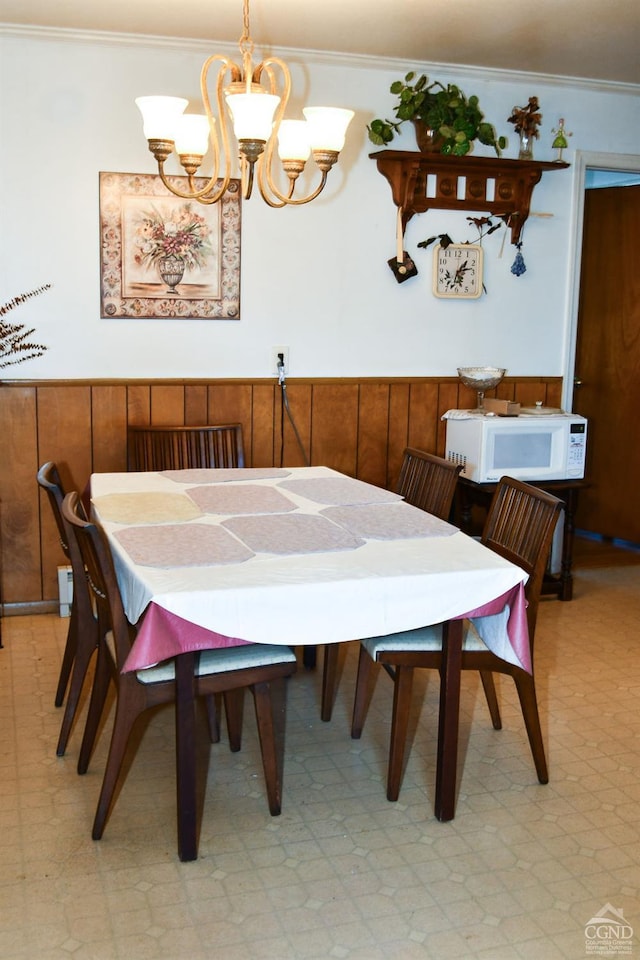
457	271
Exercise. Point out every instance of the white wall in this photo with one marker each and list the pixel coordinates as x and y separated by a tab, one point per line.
314	278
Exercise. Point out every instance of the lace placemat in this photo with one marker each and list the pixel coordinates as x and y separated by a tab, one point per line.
149	507
388	521
224	474
339	490
291	533
232	499
182	545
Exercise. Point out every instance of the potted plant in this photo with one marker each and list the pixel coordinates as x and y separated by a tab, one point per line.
453	120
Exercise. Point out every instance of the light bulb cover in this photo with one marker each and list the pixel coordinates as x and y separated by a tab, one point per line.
252	114
159	116
328	126
293	140
192	134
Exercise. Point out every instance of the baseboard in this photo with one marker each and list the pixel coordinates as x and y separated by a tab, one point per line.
29	609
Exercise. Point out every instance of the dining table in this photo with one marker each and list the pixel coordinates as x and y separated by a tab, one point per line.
210	558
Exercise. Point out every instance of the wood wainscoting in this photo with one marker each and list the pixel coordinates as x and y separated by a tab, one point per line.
359	426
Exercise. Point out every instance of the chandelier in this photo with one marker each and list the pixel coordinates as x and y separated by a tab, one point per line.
252	101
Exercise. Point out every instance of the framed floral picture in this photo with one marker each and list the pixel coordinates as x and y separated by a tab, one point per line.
163	256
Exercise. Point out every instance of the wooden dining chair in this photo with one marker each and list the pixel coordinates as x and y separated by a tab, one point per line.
181	448
82	634
519	526
227	671
428	482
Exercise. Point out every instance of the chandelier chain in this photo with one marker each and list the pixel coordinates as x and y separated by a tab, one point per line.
246	42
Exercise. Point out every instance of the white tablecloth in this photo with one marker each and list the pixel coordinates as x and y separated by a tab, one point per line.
372	587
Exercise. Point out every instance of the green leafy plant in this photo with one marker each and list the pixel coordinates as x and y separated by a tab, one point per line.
13	336
454	118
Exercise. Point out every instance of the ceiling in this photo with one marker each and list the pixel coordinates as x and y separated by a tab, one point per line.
568	38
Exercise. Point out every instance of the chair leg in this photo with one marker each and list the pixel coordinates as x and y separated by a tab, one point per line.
234	709
492	700
85	648
365	669
212	718
126	714
525	685
96	706
309	654
329	672
399	726
264	718
67	657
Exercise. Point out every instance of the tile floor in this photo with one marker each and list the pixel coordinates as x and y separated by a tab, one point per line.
341	873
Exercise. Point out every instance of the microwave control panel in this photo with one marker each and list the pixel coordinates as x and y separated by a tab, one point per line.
576	455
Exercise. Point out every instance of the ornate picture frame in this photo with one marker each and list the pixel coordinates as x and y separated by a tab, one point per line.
163	256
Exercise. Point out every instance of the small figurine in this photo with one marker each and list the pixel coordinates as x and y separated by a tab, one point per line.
560	139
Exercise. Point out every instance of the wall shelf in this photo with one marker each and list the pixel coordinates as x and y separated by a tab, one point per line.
424	181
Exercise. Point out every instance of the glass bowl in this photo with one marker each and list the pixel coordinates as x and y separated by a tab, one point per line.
481	378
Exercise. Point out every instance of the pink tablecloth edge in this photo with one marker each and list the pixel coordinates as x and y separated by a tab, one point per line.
162	635
517	627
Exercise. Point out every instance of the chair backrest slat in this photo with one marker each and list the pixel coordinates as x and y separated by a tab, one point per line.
180	448
101	576
520	526
48	478
428	482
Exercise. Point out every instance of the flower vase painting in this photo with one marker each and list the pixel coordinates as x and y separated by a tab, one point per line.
165	256
166	240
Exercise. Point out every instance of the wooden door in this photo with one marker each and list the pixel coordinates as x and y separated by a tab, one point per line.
607	389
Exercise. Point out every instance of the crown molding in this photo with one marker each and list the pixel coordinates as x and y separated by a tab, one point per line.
320	57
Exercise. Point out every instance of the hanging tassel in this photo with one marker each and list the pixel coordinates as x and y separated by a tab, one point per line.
518	266
402	265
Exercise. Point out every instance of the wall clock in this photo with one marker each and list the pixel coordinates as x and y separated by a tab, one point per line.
457	271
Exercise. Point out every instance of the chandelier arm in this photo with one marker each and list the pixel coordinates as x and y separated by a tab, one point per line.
266	183
202	195
290	199
207	194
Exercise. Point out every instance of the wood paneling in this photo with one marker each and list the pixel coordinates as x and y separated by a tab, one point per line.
373	433
334	432
287	449
109	429
359	427
167	404
19	497
196	398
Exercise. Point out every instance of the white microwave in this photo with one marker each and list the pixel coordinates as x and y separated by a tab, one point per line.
526	447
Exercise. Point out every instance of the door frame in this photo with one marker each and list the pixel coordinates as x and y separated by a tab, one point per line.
625	162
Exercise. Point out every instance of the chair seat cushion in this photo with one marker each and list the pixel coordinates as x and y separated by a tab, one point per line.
223	660
427	639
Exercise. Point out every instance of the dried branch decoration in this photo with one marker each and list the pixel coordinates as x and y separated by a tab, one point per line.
527	119
13	336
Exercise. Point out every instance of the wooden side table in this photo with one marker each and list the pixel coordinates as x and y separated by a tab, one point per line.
480	494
